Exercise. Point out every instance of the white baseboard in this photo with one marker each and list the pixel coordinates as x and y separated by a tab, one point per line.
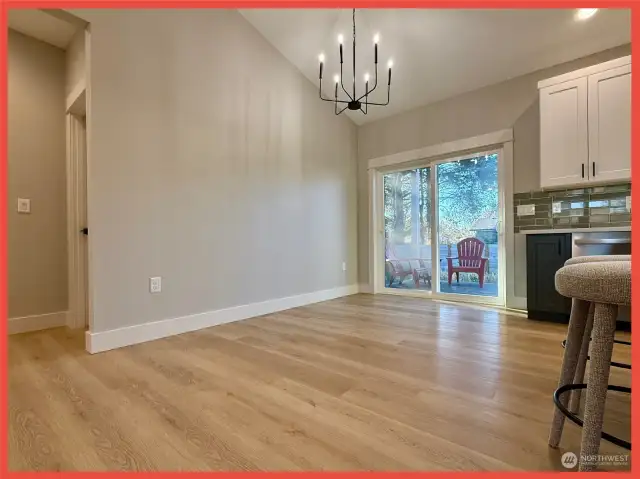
37	322
117	338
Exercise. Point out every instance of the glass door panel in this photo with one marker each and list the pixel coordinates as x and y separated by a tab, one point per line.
468	226
407	229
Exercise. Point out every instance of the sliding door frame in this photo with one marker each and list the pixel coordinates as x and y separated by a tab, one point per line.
500	143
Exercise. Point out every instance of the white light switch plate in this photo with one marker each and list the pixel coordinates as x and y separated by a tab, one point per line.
24	205
155	284
526	210
344	266
556	207
628	203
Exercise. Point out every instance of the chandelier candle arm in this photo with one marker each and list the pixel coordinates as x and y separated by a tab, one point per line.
366	94
330	99
388	89
375	85
382	104
335	105
321	57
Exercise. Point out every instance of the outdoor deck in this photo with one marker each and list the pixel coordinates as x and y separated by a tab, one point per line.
489	289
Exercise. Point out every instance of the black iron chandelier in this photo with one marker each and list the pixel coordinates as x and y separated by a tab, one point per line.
354	102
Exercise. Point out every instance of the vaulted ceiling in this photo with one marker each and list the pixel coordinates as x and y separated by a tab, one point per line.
437	54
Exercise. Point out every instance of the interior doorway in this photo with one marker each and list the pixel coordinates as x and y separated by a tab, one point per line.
49	92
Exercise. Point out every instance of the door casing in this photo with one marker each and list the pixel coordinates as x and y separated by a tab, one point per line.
500	142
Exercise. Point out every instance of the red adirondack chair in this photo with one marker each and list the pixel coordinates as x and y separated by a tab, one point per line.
470	260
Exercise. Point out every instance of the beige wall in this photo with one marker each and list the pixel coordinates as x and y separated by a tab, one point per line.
75	61
212	164
36	148
510	104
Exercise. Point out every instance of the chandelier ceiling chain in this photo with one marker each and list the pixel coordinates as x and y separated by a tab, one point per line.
354	102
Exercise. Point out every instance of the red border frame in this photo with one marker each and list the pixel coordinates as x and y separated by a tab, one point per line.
6	4
317	3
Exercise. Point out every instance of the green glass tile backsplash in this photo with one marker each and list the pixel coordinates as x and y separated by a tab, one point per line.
595	206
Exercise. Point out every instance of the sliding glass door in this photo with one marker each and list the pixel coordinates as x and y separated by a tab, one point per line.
443	229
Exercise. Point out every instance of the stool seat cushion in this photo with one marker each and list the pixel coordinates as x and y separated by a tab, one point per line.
599	282
598	259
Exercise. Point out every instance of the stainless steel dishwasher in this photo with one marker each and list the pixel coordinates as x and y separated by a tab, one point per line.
590	243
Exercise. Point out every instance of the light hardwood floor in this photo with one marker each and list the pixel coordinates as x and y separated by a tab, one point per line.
358	383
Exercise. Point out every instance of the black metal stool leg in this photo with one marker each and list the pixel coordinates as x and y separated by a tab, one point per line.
577	420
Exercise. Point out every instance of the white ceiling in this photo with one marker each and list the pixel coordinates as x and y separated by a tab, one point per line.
42	26
437	54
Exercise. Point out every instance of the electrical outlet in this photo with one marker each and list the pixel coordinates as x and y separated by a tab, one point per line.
628	203
344	266
155	284
24	205
526	210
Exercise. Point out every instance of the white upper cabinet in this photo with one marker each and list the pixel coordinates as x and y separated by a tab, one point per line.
585	126
610	124
564	151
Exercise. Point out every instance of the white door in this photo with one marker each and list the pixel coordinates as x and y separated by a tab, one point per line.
564	153
610	125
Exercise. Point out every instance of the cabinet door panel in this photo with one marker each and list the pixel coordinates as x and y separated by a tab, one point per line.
563	134
610	125
546	254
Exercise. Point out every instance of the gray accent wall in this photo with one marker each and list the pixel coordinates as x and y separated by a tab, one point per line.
213	164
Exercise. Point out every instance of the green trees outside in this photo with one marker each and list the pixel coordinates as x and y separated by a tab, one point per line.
467	192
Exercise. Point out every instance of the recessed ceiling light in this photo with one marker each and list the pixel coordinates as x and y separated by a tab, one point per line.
585	13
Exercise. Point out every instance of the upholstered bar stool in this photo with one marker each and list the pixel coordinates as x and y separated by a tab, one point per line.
607	285
574	404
